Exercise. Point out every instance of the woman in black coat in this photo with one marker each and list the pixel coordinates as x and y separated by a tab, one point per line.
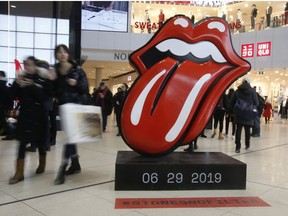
32	90
71	86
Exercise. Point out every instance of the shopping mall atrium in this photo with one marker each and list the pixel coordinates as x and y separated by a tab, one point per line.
101	36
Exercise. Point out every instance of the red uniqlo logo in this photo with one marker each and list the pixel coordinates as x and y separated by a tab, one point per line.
264	49
247	50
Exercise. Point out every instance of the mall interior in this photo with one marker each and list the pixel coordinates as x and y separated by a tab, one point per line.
101	36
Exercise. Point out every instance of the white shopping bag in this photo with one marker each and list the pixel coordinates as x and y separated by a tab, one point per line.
81	123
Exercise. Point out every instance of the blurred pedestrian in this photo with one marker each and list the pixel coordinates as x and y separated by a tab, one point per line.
71	86
32	89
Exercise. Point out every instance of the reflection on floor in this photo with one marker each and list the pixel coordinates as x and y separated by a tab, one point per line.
92	191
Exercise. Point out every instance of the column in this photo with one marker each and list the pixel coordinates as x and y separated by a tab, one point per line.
98	77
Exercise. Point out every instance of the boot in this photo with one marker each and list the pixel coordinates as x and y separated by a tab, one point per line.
214	133
75	166
19	175
60	179
42	164
190	148
221	137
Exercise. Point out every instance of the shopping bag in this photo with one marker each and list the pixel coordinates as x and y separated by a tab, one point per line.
81	123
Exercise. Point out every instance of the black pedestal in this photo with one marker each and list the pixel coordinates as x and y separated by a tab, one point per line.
179	171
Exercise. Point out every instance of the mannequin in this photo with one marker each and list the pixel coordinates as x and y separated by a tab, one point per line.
146	19
268	14
223	15
161	18
239	16
254	12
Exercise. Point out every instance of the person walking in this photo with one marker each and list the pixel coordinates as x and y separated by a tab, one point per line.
247	95
70	86
283	110
257	127
103	97
267	111
230	115
32	90
218	116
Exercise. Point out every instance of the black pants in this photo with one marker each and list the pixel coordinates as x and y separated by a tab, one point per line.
219	117
3	123
267	119
238	135
268	18
53	127
229	119
22	146
70	151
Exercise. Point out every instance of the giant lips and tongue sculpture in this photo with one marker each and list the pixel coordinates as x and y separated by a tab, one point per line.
183	71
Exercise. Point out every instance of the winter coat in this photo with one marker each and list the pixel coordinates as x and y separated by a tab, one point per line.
5	101
248	94
267	110
105	103
32	122
66	93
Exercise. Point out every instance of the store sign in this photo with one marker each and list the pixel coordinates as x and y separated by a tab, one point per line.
147	25
264	49
121	56
247	50
235	25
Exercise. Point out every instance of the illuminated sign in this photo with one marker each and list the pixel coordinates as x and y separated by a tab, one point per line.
247	50
263	49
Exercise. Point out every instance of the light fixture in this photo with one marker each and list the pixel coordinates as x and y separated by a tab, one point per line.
13	6
246	5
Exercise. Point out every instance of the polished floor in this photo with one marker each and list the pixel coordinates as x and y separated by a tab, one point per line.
91	192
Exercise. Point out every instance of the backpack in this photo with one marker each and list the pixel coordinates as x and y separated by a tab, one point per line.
245	110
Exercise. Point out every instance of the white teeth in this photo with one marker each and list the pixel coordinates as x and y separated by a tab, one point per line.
200	50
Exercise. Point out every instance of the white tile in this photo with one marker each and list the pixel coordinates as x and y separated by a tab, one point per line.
18	209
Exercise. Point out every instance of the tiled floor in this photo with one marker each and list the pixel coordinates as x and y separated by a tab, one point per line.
92	191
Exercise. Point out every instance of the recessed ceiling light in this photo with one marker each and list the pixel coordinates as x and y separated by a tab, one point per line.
246	5
276	71
13	6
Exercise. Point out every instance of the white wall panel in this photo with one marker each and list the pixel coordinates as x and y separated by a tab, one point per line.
106	40
121	41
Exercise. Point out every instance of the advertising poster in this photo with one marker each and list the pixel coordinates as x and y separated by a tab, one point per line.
105	16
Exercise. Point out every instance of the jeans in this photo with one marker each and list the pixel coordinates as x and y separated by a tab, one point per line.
238	135
256	127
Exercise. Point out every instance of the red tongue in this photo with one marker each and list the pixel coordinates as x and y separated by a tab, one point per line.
149	132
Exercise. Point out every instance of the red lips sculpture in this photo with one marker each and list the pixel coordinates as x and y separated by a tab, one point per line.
184	69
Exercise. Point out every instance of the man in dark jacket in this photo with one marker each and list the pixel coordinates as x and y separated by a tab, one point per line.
248	94
103	97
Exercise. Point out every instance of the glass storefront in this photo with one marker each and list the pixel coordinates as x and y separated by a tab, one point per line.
27	32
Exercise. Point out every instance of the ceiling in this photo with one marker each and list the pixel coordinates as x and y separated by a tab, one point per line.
112	69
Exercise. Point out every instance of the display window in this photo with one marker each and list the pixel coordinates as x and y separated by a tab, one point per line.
242	16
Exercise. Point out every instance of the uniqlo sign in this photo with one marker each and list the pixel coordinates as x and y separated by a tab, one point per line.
264	49
247	50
